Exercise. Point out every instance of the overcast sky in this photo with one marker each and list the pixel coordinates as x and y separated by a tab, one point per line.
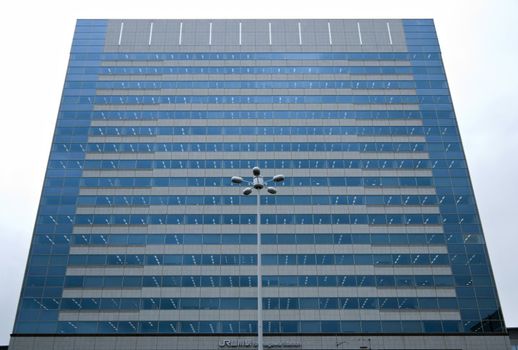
479	43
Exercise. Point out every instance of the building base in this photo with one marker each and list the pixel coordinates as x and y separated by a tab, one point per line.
392	342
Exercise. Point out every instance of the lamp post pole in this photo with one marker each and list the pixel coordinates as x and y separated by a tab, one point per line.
258	184
259	277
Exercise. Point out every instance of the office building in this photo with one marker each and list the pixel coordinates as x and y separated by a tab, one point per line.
372	241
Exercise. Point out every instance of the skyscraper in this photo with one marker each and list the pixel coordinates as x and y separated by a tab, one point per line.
373	240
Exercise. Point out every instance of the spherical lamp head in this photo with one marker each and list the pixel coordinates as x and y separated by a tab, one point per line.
278	178
237	179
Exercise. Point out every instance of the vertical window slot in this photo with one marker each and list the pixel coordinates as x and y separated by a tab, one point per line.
180	35
240	33
120	33
359	33
329	31
150	33
300	35
389	34
210	33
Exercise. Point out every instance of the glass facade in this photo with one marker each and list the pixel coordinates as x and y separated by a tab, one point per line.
374	230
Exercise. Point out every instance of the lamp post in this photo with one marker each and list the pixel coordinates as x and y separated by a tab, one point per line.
258	183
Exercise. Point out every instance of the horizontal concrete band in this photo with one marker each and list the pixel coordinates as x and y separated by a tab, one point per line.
268	173
251	292
332	192
279	137
266	249
286	315
452	341
300	270
159	229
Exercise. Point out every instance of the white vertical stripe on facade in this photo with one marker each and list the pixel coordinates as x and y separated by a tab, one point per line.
389	34
359	33
150	33
210	33
120	33
240	26
180	35
270	32
300	35
329	31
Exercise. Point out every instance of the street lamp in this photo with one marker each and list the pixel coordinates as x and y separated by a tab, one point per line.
258	183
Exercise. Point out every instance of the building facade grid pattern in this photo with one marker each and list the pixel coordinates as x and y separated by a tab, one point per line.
139	230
